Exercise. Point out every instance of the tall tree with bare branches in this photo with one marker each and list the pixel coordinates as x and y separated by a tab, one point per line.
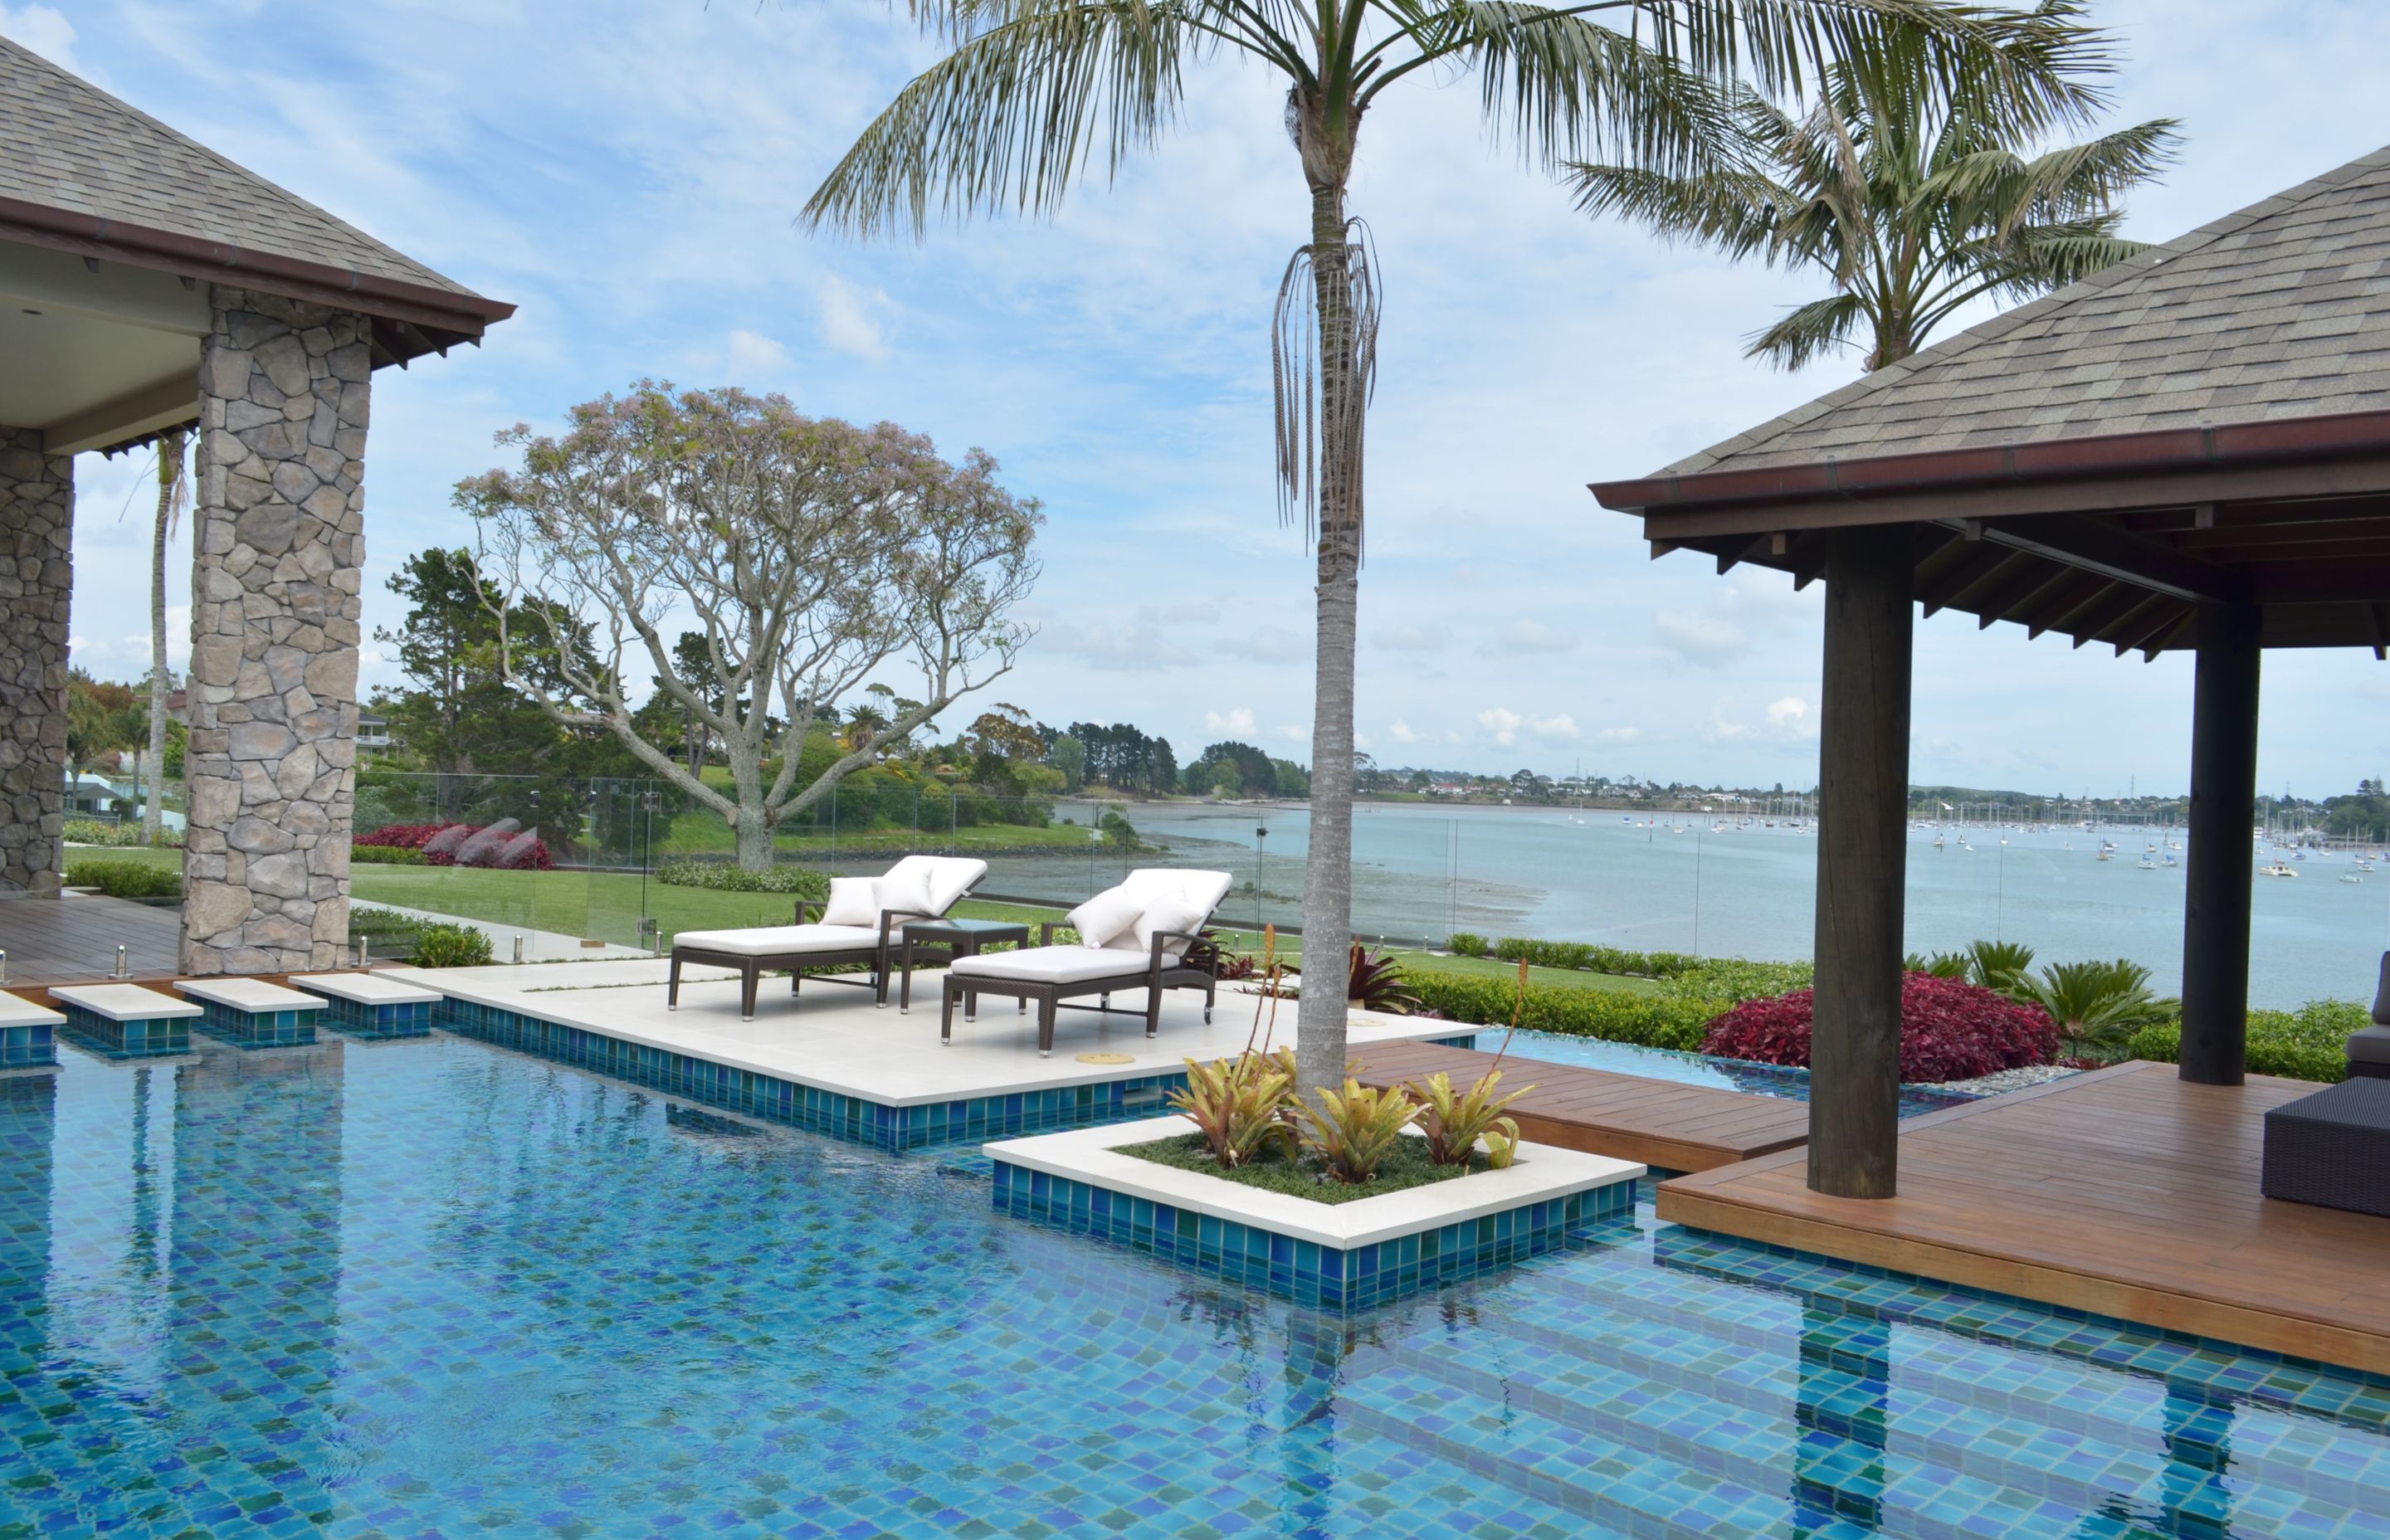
173	496
808	552
1033	91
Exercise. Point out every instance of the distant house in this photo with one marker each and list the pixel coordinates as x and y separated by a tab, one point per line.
373	731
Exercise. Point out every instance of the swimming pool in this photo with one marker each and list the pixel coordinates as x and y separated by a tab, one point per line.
1692	1069
434	1288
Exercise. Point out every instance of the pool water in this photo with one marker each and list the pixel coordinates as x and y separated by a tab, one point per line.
430	1288
1690	1069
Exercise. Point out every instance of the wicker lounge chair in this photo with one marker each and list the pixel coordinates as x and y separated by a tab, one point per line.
1141	956
920	887
2369	1049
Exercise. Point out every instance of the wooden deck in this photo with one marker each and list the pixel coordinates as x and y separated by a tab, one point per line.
1657	1123
2125	1192
66	941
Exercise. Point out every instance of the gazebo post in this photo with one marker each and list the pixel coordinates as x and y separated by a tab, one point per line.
2217	875
1862	861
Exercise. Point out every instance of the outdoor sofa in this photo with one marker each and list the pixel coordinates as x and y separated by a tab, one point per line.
853	927
2369	1049
1133	936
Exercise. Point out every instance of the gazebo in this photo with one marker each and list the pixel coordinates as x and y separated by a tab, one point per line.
150	282
2189	450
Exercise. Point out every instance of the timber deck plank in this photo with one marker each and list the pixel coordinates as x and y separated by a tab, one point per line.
2127	1192
1659	1123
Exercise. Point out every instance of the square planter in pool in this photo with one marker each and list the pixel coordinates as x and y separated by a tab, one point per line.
250	1013
125	1021
1330	1256
28	1034
367	1005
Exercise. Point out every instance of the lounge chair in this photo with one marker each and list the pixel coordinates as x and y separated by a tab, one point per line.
1134	936
2368	1047
853	927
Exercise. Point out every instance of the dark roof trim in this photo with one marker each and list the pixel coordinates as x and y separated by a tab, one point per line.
293	278
2161	451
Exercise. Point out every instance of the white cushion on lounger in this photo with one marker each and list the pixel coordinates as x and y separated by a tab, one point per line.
941	879
1170	912
1202	891
765	941
1105	917
1054	965
852	901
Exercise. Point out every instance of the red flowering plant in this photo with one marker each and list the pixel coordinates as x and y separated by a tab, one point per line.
1949	1030
402	836
441	848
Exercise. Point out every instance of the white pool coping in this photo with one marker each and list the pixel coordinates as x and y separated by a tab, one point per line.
124	1002
366	989
833	1039
249	996
1092	1156
18	1011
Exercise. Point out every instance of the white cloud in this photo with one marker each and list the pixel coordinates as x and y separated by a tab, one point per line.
1411	636
1293	734
1507	727
1619	734
1700	639
1131	648
847	321
1238	723
46	32
1790	713
752	357
1401	732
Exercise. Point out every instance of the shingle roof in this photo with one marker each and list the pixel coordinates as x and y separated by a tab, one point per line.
2280	310
67	145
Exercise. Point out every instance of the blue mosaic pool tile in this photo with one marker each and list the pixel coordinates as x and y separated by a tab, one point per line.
1324	1278
401	1018
258	1029
934	1124
139	1038
26	1045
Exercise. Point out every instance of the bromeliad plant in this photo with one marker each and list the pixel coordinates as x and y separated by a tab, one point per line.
1353	1131
1456	1121
1378	984
1239	1105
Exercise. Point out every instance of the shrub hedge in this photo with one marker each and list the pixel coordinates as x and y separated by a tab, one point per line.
1729	980
1654	1021
2310	1043
730	878
1949	1030
385	855
443	945
92	831
126	878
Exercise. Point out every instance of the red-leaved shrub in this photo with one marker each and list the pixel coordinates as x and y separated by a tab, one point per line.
402	836
441	848
1949	1030
525	852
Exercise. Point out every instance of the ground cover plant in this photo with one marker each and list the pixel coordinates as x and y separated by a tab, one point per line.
1405	1165
1950	1029
132	880
2310	1043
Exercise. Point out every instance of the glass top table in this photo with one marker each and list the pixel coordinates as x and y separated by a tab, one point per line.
955	938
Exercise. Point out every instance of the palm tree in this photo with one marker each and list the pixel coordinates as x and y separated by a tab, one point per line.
174	493
1913	204
1034	90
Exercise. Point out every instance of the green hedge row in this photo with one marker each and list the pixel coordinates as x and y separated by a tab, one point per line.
384	855
2310	1043
126	878
1655	1021
730	878
1732	980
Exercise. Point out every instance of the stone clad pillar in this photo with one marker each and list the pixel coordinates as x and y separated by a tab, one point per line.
36	580
278	545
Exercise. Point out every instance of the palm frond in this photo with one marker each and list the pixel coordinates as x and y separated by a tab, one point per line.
1011	117
2005	190
1809	333
1734	211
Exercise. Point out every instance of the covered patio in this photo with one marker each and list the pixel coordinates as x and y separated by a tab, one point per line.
2190	451
148	283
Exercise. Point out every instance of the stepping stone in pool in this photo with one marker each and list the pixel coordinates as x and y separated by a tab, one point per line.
250	1013
28	1034
125	1021
367	1005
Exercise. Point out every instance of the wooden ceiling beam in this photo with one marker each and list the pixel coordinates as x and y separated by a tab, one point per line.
2113	604
2141	632
1976	561
2106	548
2173	636
2053	613
2020	593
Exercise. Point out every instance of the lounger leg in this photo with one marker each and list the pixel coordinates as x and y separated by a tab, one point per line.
1023	1003
1045	1026
946	1016
1207	1004
970	1005
749	977
1153	1014
672	990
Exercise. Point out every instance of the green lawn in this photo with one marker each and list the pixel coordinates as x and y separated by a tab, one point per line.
606	906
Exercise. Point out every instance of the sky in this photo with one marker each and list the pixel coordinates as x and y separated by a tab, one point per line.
629	176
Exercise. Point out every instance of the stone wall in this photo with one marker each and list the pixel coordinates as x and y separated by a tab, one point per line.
279	542
36	580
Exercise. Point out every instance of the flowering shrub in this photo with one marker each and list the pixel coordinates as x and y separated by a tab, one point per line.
401	836
1949	1030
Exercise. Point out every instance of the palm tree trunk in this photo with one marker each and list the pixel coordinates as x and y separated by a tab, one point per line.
1328	868
169	477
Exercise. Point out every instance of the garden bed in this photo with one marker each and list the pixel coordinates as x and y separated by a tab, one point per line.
1301	1177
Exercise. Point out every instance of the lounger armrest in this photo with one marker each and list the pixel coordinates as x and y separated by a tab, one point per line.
1045	932
1161	936
822	907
